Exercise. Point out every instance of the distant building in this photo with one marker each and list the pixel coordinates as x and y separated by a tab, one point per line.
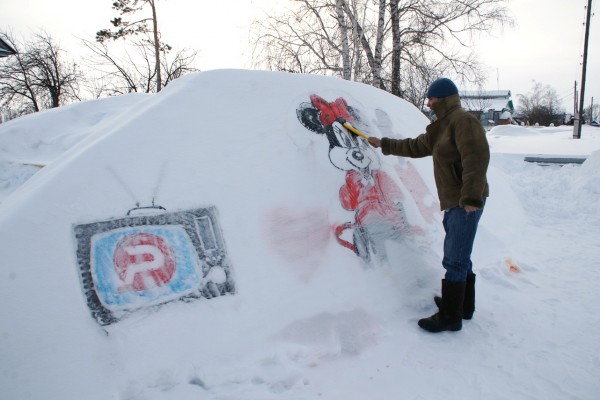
5	49
492	107
505	118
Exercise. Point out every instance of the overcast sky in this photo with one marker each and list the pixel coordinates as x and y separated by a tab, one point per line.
546	43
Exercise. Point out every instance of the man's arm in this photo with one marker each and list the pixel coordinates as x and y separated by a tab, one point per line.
475	156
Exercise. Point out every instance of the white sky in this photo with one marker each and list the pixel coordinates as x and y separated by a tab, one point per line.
546	43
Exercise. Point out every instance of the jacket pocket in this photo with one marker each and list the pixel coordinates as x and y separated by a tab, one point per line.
456	171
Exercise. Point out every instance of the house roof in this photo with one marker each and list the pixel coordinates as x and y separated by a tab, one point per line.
485	100
486	94
5	49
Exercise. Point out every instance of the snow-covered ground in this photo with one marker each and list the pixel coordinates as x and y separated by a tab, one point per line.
278	305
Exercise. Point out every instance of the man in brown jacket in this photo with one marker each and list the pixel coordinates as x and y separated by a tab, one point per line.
456	140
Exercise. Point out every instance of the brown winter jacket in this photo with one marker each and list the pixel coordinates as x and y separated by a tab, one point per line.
460	151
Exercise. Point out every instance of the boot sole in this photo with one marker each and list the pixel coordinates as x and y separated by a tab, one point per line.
447	328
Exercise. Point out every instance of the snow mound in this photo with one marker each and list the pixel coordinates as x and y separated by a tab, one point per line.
511	130
587	180
33	141
299	208
41	142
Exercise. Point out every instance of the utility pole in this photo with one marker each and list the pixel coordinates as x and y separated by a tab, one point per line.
498	78
578	121
575	108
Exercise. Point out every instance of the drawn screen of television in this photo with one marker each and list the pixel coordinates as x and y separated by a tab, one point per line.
141	261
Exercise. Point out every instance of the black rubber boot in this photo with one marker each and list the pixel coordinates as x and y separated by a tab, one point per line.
469	304
449	317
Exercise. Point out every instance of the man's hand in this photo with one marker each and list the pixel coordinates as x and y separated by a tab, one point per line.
374	141
469	209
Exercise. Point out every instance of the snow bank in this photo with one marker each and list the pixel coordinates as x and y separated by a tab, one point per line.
314	310
33	141
511	130
247	144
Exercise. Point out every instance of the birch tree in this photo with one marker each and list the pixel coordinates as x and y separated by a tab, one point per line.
389	44
339	7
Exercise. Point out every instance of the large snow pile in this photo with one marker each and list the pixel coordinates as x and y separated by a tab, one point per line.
302	257
32	141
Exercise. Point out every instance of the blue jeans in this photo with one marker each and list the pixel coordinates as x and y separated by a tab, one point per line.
460	227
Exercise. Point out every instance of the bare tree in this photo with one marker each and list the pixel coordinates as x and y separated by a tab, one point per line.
118	75
592	112
389	43
304	40
38	76
177	64
140	26
131	68
57	79
541	104
17	89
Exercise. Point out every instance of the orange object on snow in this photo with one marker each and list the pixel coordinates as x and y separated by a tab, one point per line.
512	267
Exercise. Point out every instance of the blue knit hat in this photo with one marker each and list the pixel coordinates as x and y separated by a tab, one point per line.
442	87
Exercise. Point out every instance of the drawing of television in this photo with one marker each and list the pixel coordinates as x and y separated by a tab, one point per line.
143	261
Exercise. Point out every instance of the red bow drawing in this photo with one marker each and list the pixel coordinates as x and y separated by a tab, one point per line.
331	111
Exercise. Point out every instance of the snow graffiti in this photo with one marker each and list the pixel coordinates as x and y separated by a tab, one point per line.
140	261
299	236
368	191
426	202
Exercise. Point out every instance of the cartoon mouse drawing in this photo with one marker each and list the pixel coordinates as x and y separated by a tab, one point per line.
368	191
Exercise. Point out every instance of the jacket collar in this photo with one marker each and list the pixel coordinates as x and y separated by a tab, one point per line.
444	106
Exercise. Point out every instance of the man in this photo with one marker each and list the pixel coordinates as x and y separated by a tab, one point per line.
457	143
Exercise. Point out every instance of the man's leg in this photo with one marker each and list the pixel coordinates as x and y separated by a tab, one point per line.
460	228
